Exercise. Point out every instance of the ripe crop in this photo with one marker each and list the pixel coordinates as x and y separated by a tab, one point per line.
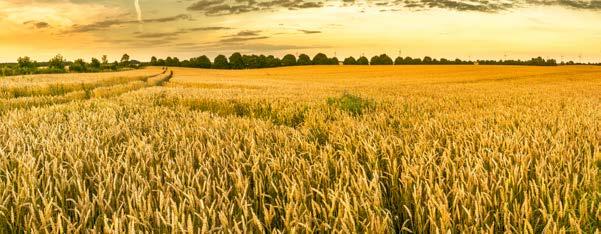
309	149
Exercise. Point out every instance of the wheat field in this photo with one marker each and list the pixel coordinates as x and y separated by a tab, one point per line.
410	149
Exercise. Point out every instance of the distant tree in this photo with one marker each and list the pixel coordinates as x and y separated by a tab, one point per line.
105	60
220	62
382	59
114	66
386	60
58	63
78	66
399	61
408	60
200	62
362	61
204	61
321	59
271	61
375	60
427	60
95	63
236	61
172	61
289	60
153	61
250	61
262	61
551	62
349	61
304	59
333	61
125	60
25	63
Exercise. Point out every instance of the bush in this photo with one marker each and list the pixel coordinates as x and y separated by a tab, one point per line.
220	62
383	59
304	59
236	61
362	61
334	61
201	62
399	61
353	104
95	64
78	66
289	60
350	61
57	63
321	59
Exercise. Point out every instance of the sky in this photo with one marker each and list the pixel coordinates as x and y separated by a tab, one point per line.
466	29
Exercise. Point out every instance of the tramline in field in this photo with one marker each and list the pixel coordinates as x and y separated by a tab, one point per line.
309	149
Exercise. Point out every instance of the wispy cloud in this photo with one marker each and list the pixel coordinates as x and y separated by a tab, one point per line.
177	32
309	31
105	24
241	39
218	8
37	24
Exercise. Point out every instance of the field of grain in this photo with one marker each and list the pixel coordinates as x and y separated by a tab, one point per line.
422	149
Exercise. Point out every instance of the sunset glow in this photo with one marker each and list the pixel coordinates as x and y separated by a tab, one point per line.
462	29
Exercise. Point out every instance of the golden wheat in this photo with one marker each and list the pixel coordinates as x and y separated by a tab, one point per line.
310	149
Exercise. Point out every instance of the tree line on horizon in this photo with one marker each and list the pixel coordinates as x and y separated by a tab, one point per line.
252	61
58	64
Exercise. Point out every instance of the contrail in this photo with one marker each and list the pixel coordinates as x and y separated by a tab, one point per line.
138	10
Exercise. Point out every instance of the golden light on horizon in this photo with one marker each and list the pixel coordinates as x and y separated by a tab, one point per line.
91	28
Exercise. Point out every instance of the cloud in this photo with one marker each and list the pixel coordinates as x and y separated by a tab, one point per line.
37	24
178	32
309	31
154	35
57	14
214	28
220	7
574	4
246	33
169	19
242	47
491	6
241	39
458	5
105	24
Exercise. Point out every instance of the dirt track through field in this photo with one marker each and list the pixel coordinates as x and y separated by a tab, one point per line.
98	91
